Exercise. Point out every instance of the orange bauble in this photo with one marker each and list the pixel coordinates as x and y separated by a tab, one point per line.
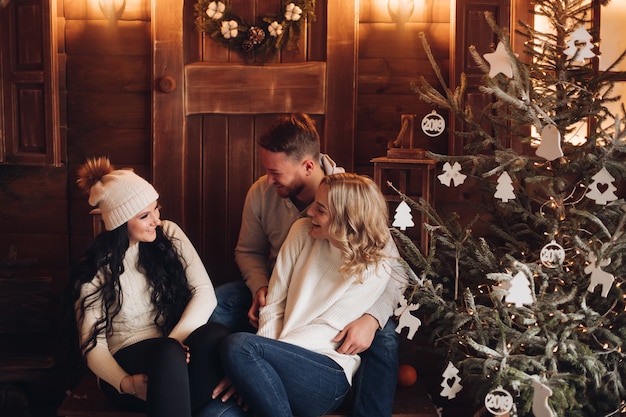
407	375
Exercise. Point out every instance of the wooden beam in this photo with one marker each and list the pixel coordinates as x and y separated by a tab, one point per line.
244	89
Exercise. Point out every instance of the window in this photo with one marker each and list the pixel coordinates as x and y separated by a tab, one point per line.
29	91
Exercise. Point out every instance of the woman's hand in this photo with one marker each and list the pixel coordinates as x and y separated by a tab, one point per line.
135	385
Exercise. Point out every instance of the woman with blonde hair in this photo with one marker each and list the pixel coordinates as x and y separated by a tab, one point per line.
332	267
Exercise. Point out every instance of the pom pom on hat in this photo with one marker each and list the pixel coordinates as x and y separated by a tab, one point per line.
119	194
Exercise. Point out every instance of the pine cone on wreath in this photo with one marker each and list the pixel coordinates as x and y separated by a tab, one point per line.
256	35
247	45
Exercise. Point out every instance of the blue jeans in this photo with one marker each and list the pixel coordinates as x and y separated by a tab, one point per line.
278	379
374	384
233	302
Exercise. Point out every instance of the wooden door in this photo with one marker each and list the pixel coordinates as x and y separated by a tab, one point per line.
210	106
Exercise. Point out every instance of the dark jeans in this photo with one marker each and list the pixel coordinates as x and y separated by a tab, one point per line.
374	384
175	388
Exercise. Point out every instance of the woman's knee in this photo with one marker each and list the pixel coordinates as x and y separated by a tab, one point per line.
207	336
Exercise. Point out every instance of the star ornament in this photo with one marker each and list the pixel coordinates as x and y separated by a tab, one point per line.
500	62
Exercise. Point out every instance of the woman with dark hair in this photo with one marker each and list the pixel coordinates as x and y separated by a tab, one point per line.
141	299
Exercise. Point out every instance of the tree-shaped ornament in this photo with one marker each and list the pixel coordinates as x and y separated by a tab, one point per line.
598	276
504	189
550	146
602	189
451	382
500	62
519	292
579	46
403	217
406	319
451	173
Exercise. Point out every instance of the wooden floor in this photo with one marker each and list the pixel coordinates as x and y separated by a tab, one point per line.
86	400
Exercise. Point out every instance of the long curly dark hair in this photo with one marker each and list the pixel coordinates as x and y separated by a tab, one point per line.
161	264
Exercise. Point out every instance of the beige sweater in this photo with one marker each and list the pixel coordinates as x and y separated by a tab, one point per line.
309	301
135	323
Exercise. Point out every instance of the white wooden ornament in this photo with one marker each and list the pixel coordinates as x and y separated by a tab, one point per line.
519	292
579	46
550	146
542	392
407	319
499	401
451	382
504	189
602	188
598	276
403	218
552	255
433	124
500	62
451	173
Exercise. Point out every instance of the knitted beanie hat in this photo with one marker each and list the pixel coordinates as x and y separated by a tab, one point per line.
119	194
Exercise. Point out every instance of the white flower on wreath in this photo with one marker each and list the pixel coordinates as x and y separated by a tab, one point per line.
216	10
230	29
275	29
293	12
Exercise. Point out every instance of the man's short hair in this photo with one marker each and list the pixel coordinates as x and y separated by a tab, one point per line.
295	135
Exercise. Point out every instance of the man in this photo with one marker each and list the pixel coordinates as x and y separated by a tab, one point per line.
290	154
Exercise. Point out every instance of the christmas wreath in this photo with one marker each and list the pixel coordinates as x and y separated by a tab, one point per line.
262	40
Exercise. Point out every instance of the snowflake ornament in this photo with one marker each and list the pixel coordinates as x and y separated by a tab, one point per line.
215	10
452	173
579	46
293	12
230	29
451	382
602	189
500	62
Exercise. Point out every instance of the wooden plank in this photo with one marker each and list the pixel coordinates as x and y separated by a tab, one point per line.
242	89
168	118
129	73
95	37
88	110
338	134
89	10
423	11
384	40
394	76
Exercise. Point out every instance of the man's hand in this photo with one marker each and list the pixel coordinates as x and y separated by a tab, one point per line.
357	336
258	301
224	388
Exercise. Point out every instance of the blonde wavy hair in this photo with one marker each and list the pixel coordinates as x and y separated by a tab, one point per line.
359	221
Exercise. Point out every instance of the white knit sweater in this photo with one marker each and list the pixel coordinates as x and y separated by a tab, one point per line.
309	301
135	322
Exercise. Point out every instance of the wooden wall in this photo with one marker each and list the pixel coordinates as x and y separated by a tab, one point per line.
108	78
391	56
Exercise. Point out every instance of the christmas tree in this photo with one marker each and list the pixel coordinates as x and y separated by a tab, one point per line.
526	298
